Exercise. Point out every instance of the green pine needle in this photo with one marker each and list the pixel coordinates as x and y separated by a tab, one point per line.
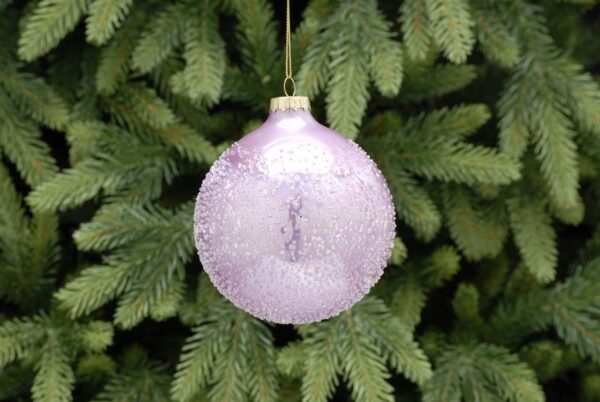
357	344
415	25
534	236
54	378
20	142
478	229
497	41
36	98
482	372
209	358
115	58
202	78
49	22
163	35
105	16
139	379
451	27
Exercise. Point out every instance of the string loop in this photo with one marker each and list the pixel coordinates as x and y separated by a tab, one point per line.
291	81
288	54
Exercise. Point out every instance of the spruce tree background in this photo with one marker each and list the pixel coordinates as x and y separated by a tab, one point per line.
484	116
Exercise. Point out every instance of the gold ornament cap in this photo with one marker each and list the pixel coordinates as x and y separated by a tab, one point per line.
289	102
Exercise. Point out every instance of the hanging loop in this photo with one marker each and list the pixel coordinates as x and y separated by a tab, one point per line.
291	81
288	54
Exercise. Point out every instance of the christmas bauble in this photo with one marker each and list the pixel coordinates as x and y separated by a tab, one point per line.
294	223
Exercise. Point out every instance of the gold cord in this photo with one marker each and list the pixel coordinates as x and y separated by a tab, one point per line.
288	54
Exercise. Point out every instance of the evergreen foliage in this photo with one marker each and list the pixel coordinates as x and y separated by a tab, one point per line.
484	117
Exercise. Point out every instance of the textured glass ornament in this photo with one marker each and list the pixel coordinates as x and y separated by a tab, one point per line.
294	223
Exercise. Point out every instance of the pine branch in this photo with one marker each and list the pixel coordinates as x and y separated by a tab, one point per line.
182	138
482	372
572	215
71	188
451	27
105	17
415	27
291	359
452	161
155	273
399	252
39	262
541	80
466	306
148	106
161	38
347	89
54	377
95	368
314	73
114	62
35	98
408	300
12	215
364	367
153	246
435	81
257	36
140	379
478	230
95	336
53	342
386	55
439	267
116	225
28	249
395	342
420	148
229	342
513	107
169	301
413	203
137	172
202	78
17	338
156	268
558	153
322	361
358	343
497	41
545	357
262	384
48	24
410	290
45	249
20	142
581	91
228	370
575	310
198	356
94	287
571	307
534	236
188	143
356	43
459	121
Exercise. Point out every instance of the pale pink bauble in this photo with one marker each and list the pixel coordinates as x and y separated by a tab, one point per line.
294	223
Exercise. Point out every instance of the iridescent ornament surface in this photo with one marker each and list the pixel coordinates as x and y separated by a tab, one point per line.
294	223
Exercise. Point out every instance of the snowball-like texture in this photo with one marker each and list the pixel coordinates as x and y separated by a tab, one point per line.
294	223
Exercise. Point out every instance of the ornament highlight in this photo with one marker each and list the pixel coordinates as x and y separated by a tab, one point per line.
294	223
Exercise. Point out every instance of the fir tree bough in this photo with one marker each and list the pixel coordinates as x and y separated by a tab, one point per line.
484	117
